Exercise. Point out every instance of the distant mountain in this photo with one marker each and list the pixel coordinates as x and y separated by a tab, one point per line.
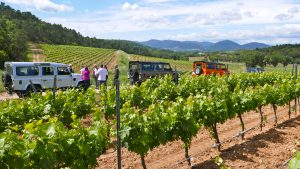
174	45
255	45
225	45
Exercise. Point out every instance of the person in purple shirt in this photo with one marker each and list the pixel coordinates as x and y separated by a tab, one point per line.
86	77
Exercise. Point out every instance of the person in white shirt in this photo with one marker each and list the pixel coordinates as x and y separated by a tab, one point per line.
102	74
82	69
95	70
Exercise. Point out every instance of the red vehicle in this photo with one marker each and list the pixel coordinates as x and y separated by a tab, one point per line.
208	68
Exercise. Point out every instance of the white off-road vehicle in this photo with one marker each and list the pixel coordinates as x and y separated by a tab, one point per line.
23	77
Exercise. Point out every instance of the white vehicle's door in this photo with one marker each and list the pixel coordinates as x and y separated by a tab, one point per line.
47	77
63	77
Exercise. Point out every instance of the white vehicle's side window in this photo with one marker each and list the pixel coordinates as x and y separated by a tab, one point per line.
63	71
27	71
47	71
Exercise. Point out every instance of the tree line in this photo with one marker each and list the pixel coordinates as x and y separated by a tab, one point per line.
284	54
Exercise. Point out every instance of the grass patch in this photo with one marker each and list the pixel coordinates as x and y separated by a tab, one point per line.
123	62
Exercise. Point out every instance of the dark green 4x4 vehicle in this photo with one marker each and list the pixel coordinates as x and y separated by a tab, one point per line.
141	71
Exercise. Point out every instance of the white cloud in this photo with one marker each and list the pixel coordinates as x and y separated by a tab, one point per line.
128	6
288	15
181	37
293	10
157	1
283	17
43	5
210	20
248	14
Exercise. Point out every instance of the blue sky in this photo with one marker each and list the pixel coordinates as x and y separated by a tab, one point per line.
267	21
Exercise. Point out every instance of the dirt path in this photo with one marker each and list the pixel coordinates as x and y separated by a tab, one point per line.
172	154
111	64
37	53
6	96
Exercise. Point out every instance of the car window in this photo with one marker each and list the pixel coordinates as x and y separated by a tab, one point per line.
27	71
134	66
219	66
63	71
167	67
211	66
147	67
159	67
47	71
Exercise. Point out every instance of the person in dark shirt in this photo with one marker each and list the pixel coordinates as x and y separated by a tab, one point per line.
70	68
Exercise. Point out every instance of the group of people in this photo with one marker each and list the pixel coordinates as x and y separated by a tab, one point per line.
100	75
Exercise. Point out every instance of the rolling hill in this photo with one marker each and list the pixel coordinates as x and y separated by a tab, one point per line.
225	45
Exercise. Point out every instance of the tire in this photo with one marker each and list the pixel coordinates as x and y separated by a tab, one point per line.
30	90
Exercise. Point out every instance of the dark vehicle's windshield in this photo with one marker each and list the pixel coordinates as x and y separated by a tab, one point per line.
147	66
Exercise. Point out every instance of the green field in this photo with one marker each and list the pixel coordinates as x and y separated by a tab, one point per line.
78	56
235	67
1	85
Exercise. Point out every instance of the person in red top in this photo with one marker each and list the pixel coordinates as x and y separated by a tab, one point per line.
86	77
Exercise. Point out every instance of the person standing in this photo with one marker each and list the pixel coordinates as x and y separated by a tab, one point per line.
70	68
95	69
102	75
82	69
116	74
105	67
86	77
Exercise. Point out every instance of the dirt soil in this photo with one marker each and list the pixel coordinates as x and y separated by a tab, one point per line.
6	96
37	53
265	149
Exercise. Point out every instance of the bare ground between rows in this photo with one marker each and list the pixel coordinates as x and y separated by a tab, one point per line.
171	155
6	96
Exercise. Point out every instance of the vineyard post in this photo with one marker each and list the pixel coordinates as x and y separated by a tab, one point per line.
293	69
227	66
261	117
118	121
296	76
54	89
32	86
296	70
